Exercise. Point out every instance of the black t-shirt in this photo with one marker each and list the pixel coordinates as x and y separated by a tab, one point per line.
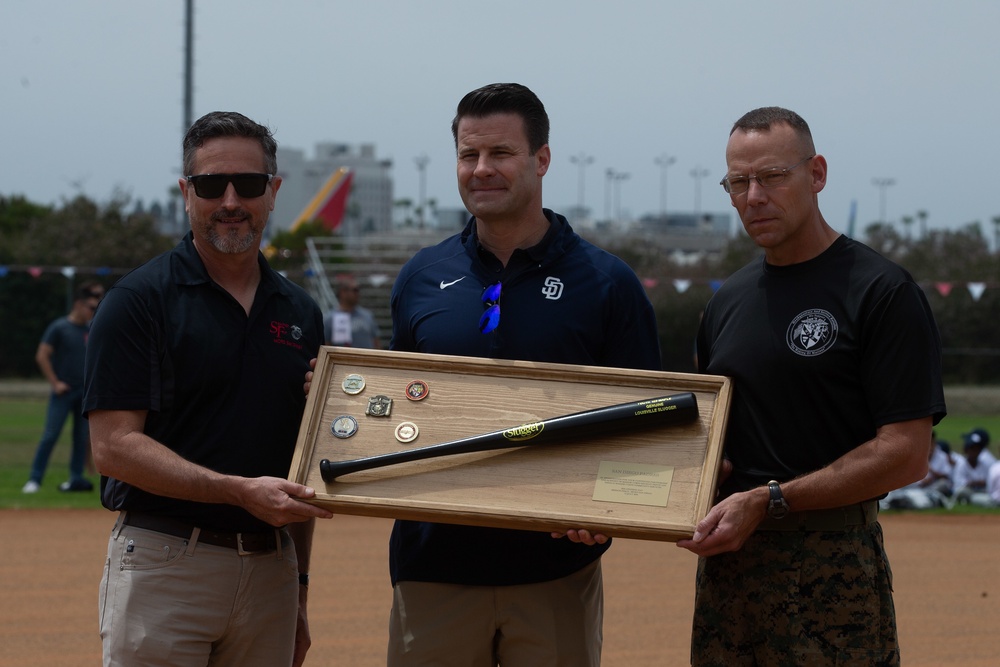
222	389
822	353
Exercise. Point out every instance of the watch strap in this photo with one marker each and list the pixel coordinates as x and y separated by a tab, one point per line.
777	506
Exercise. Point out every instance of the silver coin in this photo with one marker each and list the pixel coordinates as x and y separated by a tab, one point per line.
344	426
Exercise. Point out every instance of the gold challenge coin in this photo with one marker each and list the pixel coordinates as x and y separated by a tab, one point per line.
407	432
353	384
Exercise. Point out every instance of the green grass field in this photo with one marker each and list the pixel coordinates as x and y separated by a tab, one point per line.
21	423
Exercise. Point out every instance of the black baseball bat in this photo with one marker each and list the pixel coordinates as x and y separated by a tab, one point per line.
661	411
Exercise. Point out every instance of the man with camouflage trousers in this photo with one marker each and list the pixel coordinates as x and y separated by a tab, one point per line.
836	363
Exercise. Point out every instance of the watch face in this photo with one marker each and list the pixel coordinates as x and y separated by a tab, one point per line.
777	509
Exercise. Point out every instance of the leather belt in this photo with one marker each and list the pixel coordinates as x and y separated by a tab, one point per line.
244	543
836	519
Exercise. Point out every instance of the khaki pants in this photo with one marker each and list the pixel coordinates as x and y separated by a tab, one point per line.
549	624
167	600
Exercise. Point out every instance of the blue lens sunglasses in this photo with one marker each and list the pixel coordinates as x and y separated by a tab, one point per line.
491	299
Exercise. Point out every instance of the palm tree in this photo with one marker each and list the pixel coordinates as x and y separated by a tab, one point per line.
907	222
922	217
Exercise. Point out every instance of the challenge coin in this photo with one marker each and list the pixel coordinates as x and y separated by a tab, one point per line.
407	432
353	384
417	390
379	406
344	426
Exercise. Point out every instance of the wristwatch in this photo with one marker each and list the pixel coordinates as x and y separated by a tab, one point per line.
777	506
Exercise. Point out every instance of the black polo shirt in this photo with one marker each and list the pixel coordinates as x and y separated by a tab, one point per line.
222	389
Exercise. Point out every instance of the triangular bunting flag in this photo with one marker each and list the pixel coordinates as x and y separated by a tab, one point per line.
944	289
976	290
681	285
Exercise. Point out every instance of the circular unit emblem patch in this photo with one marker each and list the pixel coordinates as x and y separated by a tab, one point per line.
812	332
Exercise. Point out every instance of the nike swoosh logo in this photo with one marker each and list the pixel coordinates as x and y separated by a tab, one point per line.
444	284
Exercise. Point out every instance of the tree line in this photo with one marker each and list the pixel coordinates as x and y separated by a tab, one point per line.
105	240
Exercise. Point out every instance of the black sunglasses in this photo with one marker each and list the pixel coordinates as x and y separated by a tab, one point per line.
213	186
491	299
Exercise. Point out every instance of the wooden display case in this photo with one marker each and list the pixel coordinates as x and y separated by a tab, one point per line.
654	483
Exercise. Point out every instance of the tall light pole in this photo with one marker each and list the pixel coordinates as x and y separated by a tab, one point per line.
609	180
188	66
421	162
697	174
619	177
582	161
882	184
664	161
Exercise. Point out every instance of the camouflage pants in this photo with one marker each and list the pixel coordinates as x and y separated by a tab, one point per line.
797	598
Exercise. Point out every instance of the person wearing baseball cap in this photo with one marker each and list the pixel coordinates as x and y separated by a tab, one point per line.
972	469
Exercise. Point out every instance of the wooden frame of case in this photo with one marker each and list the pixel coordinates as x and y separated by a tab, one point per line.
542	487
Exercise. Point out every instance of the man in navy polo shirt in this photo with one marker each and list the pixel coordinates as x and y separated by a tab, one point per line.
517	283
194	395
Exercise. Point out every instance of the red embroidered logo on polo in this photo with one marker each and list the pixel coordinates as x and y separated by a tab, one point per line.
286	334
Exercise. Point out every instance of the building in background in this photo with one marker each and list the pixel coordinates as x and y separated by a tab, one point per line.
369	206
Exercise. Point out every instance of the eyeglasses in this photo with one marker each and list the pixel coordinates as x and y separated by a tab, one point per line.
769	178
213	186
491	299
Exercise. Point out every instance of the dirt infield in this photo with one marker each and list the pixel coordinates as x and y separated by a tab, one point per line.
946	568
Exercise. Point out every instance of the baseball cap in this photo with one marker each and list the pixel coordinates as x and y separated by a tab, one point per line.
977	436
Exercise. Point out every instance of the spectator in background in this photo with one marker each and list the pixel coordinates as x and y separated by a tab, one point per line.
993	483
934	490
60	356
972	469
350	324
940	469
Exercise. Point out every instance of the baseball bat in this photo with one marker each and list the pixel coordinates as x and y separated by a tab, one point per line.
661	411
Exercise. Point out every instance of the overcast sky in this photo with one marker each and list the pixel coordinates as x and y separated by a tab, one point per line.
92	91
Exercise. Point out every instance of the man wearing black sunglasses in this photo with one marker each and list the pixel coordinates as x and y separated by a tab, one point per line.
517	283
836	361
194	395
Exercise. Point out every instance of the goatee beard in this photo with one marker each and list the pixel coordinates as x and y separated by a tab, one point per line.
232	242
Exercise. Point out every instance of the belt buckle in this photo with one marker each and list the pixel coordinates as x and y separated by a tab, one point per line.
239	546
